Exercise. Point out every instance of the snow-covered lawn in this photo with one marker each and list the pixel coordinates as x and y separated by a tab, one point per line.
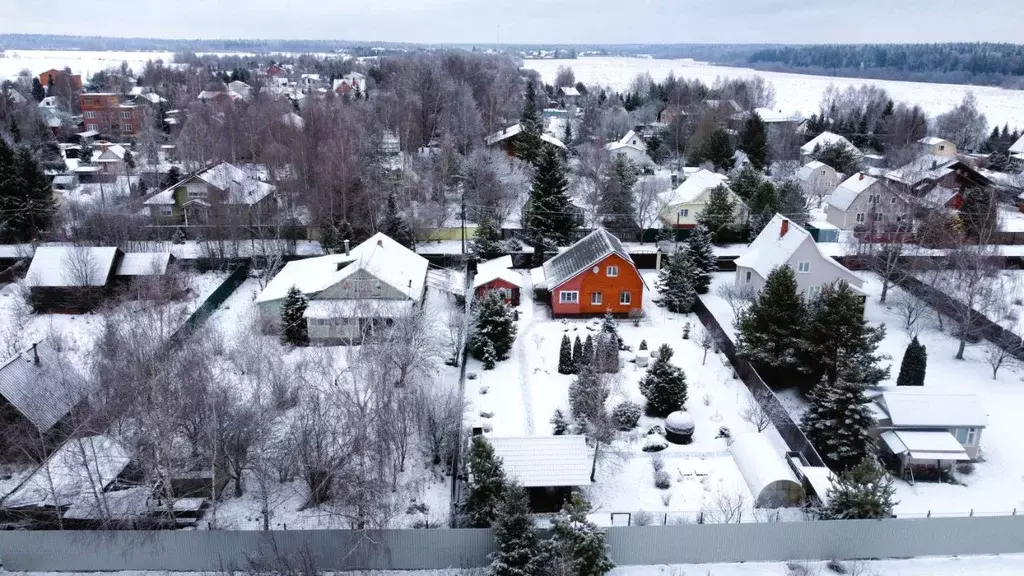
523	392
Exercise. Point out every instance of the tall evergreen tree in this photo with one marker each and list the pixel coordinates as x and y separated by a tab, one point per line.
395	226
837	155
293	321
770	331
26	197
577	355
717	149
980	213
838	423
606	346
549	219
863	492
38	91
719	213
675	283
515	541
528	142
839	341
486	242
577	546
914	365
492	324
588	352
616	207
486	484
754	141
565	356
664	384
747	182
792	202
763	207
702	259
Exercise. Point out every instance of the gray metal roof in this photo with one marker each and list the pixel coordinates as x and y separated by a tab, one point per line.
535	461
143	264
45	392
581	256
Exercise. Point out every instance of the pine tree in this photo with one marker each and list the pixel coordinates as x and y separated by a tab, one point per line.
770	331
565	356
577	546
486	243
792	202
394	226
26	197
980	212
38	92
643	345
549	219
675	284
839	341
717	149
577	355
529	146
664	384
515	541
838	423
559	423
718	214
293	322
702	259
747	182
616	207
915	362
486	484
837	155
754	141
863	492
606	351
588	352
493	324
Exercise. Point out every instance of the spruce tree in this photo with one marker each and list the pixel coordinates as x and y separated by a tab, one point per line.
549	218
559	423
528	145
606	351
664	384
769	332
577	546
489	357
26	197
839	156
702	259
915	362
747	182
394	226
754	141
980	212
763	207
486	484
493	325
293	322
719	213
838	423
486	243
839	343
577	354
675	284
565	356
588	352
717	149
587	394
38	92
515	541
863	492
792	202
617	208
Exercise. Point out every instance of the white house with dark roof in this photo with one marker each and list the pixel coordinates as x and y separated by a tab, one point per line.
679	208
349	294
632	147
825	139
864	201
784	243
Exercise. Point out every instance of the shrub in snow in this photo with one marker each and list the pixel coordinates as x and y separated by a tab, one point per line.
914	365
489	356
626	415
641	519
662	481
686	331
559	423
471	375
863	492
724	432
178	237
657	462
664	385
293	323
487	413
965	468
656	430
654	443
565	356
836	566
666	499
643	345
484	389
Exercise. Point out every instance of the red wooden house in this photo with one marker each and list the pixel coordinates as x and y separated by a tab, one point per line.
497	276
594	276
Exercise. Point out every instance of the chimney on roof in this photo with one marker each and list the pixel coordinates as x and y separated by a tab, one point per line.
347	252
784	228
380	242
861	175
675	179
35	353
935	164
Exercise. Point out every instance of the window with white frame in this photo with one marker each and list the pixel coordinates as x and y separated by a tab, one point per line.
569	296
93	127
167	210
612	271
625	298
90	114
860	217
803	267
967	436
684	212
125	115
813	291
872	198
595	298
196	191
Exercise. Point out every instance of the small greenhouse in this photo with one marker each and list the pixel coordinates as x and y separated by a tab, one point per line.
771	481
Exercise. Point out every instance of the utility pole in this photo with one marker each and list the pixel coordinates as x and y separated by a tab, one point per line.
463	221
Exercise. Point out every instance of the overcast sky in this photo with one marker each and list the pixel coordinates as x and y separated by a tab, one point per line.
529	21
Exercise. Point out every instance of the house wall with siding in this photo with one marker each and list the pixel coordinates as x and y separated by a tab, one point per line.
885	211
821	273
610	287
498	284
668	212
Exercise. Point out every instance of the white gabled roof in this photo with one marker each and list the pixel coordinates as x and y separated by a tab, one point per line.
1017	147
569	91
826	139
926	167
691	188
536	461
926	409
78	470
847	192
70	266
772	249
511	131
807	170
143	263
931	141
498	268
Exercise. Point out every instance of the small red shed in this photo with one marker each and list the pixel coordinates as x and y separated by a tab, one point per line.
594	276
497	276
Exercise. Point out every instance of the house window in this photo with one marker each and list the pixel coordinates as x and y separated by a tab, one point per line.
748	276
93	127
813	291
892	200
612	271
569	297
167	210
967	436
684	212
901	217
625	298
872	198
126	115
803	267
196	191
860	217
595	298
127	129
942	147
90	115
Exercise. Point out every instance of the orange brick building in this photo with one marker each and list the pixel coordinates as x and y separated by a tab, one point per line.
594	276
103	112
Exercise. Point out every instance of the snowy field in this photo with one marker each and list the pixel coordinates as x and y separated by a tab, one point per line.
997	484
793	92
83	62
523	392
237	321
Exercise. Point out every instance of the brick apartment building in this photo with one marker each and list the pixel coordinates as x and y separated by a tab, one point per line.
103	112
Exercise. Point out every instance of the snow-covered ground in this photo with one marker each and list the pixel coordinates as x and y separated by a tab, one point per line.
799	93
523	392
84	62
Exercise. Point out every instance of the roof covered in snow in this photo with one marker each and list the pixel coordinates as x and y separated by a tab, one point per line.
536	461
925	445
847	192
807	170
380	256
927	409
515	129
826	139
771	116
70	266
240	186
78	470
1017	147
569	91
772	249
143	264
499	268
579	257
116	505
42	392
932	141
763	468
691	188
